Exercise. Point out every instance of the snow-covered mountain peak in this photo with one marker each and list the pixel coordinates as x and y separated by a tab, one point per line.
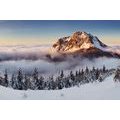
80	35
79	40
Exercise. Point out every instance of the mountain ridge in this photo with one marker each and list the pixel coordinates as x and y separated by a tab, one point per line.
79	40
80	44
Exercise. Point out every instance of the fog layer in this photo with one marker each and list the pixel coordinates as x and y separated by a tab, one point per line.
29	57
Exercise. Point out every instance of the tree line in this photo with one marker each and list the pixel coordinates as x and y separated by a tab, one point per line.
35	81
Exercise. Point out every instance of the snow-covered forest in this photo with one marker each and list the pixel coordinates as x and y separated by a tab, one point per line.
35	81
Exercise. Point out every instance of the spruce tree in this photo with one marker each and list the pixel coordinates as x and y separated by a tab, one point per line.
20	80
97	74
34	81
35	74
76	73
40	83
25	82
6	82
13	82
87	70
117	76
62	74
104	69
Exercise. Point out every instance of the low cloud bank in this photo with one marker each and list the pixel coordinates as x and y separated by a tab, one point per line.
115	49
23	52
45	67
28	58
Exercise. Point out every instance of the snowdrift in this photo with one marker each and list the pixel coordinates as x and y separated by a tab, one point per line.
107	90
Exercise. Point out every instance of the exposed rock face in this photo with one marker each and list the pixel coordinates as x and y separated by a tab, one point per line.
80	45
79	40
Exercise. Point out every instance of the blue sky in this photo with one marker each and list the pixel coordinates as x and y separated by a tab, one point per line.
37	32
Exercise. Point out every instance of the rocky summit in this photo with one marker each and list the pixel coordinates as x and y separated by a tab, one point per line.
79	40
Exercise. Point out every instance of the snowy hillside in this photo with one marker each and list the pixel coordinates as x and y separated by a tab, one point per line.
79	66
105	90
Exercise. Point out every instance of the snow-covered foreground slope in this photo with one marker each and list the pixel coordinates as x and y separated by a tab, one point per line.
105	90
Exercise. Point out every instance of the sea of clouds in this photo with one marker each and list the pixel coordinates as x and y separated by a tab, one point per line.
28	58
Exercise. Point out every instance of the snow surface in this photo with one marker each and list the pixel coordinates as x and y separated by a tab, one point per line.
97	44
86	45
83	35
107	90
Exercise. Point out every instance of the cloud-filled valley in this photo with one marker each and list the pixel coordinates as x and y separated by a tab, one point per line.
29	57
